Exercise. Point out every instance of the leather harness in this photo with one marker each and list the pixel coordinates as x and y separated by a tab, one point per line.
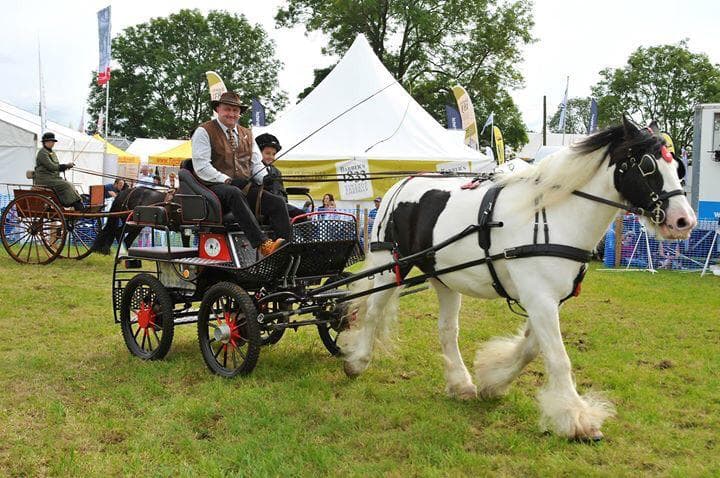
484	227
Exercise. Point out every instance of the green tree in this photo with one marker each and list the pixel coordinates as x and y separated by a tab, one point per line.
661	83
577	117
160	89
430	45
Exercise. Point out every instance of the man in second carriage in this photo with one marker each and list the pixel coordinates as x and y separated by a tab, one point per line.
223	159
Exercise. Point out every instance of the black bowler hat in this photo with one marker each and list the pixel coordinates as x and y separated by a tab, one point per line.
49	137
266	139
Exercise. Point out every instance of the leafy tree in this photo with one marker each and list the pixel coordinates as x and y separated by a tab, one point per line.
430	45
577	117
661	83
160	89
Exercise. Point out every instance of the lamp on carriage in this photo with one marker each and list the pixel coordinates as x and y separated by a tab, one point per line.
716	156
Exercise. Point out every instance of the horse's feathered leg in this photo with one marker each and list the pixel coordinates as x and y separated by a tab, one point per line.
458	379
563	409
501	360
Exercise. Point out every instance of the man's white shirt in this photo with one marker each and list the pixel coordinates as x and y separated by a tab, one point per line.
201	156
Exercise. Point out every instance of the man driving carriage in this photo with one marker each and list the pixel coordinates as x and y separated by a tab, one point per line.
47	173
223	160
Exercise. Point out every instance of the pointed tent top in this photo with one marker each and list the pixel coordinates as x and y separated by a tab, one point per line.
378	118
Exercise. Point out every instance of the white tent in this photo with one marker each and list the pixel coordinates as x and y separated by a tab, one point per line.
145	147
359	119
530	151
19	141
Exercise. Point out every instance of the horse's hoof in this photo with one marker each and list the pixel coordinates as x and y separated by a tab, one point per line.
467	392
595	436
352	371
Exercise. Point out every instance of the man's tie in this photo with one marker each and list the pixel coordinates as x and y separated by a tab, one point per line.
233	142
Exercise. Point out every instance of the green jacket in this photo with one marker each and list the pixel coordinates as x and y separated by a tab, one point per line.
47	173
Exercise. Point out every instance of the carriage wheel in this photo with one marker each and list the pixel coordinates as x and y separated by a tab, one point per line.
33	229
228	331
269	336
82	232
146	317
330	331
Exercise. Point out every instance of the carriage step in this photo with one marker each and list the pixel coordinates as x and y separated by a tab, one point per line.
162	252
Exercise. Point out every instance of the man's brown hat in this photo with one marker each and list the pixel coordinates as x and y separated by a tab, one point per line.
230	98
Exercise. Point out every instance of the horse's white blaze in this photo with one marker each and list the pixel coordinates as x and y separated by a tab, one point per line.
538	283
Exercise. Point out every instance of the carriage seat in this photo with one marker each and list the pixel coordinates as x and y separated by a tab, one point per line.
198	203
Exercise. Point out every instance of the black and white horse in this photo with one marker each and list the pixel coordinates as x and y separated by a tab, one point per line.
126	200
619	165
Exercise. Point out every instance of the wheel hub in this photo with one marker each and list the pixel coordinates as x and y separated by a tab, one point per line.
146	316
222	333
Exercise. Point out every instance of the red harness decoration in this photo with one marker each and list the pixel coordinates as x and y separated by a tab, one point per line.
396	268
471	185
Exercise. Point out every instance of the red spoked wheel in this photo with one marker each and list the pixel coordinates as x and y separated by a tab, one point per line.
33	229
146	317
228	331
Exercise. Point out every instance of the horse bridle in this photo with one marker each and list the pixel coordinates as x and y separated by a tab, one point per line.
652	204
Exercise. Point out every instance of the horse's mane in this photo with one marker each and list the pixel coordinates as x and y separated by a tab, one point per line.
561	173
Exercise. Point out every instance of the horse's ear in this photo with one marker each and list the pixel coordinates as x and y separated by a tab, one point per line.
654	127
630	126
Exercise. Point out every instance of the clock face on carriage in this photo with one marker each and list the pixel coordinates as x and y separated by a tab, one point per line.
212	247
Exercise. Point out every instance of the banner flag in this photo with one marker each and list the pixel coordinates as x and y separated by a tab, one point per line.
488	122
467	114
258	113
216	85
593	116
499	145
561	124
104	42
453	118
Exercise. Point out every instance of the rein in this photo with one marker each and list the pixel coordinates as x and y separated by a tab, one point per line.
654	215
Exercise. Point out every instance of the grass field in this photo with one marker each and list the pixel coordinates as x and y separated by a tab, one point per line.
74	402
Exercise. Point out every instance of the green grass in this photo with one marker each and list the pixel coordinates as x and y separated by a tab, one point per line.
74	402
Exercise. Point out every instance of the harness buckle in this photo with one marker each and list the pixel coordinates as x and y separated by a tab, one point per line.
510	253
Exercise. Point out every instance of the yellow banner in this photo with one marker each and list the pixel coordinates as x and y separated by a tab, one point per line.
160	161
216	85
128	160
499	145
467	114
379	186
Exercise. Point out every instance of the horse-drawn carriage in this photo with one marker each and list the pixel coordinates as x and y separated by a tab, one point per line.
239	299
36	229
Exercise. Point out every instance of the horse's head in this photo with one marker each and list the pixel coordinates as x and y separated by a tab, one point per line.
650	178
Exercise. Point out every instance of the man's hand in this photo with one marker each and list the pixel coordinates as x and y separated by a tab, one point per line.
239	183
64	167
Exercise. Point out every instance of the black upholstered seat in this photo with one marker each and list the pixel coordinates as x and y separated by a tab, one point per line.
198	203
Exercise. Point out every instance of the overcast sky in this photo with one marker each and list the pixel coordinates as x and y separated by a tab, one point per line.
575	38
